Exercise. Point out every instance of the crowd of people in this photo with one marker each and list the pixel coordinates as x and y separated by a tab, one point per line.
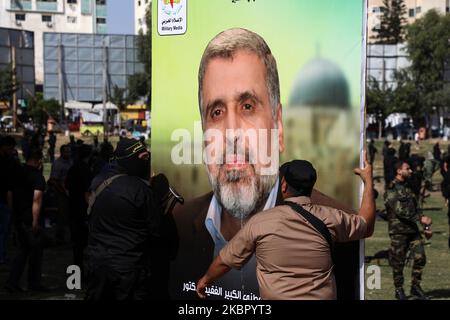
407	181
104	202
85	179
276	226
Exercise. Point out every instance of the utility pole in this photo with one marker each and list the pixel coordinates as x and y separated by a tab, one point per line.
60	81
14	95
105	82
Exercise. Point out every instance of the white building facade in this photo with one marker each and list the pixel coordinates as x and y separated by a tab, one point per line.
140	7
39	16
415	9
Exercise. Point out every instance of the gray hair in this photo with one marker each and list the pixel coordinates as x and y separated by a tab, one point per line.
226	44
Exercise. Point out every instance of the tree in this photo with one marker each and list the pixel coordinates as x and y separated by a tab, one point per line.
379	102
423	85
144	45
138	86
40	109
118	97
7	87
391	30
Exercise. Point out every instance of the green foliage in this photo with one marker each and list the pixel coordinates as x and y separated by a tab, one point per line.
392	23
7	87
39	109
423	87
379	101
138	86
118	97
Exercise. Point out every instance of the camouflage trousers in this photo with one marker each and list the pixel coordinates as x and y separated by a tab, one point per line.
400	244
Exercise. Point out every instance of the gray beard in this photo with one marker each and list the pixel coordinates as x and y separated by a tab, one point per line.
241	194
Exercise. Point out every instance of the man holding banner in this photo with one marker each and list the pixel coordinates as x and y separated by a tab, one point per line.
241	113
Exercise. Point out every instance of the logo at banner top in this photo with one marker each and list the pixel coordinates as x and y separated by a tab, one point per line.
172	16
172	7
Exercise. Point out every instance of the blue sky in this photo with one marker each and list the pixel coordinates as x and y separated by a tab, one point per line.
120	16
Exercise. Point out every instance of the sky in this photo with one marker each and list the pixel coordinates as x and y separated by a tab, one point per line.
120	16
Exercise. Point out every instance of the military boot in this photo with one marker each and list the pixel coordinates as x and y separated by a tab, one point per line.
417	291
400	294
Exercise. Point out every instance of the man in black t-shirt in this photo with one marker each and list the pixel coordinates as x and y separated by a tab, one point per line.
78	181
27	190
123	222
51	146
7	166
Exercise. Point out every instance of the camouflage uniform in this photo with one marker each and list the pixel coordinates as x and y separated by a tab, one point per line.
430	167
404	217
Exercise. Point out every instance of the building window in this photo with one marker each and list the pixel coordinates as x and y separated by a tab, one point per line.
101	2
139	3
46	18
101	20
72	1
20	17
412	13
447	9
377	10
418	10
71	19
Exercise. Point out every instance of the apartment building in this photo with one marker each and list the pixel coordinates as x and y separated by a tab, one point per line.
62	16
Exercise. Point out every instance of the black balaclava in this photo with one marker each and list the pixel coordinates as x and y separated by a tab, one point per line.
126	155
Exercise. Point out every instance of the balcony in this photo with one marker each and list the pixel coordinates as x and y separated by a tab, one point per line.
101	28
21	5
47	6
100	11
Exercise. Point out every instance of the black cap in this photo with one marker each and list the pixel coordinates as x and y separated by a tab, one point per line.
127	148
299	174
284	168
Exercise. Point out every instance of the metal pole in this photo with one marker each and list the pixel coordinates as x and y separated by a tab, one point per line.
14	95
60	81
105	81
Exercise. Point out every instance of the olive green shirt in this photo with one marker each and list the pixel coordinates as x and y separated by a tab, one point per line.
401	208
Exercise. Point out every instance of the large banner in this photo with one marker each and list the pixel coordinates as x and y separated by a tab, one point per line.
302	101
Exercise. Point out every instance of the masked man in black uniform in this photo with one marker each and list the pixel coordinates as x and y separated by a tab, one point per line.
124	219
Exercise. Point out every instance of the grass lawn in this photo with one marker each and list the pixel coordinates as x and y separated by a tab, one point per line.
436	276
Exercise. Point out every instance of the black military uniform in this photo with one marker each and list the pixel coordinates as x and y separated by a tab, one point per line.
123	221
79	178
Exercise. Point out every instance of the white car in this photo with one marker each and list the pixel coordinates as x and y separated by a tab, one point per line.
6	123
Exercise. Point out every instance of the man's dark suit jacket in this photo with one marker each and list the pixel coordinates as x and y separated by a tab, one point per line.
196	248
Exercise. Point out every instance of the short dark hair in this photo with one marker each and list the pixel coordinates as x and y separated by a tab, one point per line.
299	192
302	192
61	149
35	154
7	141
84	151
399	164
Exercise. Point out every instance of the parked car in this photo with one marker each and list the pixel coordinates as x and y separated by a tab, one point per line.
6	123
